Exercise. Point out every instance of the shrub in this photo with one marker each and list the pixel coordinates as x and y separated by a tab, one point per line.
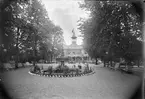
36	69
77	71
48	70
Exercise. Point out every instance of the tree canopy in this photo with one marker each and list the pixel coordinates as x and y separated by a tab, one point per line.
113	29
28	31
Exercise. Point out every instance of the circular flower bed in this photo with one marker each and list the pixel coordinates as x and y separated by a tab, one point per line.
61	71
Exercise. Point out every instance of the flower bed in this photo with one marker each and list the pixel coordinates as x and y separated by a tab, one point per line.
60	71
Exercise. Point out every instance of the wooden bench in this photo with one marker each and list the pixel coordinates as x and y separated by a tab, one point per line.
8	66
117	66
126	68
121	67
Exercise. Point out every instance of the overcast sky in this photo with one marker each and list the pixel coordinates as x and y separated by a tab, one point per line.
65	13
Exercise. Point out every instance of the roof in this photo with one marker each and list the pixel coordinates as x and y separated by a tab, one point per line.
73	46
76	55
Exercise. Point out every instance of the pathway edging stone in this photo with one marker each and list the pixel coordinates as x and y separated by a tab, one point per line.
62	76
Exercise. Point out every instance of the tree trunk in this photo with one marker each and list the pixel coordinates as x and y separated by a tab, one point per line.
138	63
47	57
51	58
104	63
34	58
96	61
17	48
34	50
111	63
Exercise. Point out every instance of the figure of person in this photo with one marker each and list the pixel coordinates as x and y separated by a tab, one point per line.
87	65
74	66
79	66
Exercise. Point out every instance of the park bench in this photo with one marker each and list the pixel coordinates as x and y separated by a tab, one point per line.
119	66
107	64
27	64
114	66
12	63
8	66
128	69
123	67
1	67
20	65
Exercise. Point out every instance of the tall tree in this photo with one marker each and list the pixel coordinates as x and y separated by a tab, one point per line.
45	32
109	24
11	24
27	29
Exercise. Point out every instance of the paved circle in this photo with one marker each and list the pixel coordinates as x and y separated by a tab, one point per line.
104	84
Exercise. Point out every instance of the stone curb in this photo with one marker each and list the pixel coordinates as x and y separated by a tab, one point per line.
61	76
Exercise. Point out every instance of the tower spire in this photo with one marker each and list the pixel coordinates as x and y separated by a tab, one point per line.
73	36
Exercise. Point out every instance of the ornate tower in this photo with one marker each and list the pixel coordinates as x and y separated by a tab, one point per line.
74	38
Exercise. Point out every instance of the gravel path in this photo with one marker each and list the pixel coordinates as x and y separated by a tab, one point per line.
104	84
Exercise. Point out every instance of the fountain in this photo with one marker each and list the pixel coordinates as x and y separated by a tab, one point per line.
62	70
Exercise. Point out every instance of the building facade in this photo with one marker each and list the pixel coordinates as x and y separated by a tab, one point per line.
75	52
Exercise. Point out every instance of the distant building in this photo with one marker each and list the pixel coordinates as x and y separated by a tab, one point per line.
74	52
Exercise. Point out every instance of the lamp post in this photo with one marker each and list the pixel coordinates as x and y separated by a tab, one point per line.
106	53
